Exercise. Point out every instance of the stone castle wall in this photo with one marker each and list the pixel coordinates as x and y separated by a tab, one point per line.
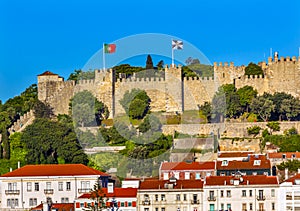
172	93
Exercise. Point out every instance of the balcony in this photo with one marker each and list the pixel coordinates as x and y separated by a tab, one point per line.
261	210
195	202
146	202
12	192
211	198
84	190
261	198
48	191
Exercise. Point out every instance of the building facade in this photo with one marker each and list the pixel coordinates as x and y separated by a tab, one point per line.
31	185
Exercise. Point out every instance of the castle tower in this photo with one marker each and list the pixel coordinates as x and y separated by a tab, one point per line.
174	89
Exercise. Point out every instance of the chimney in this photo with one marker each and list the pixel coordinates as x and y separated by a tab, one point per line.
19	164
298	171
286	173
10	169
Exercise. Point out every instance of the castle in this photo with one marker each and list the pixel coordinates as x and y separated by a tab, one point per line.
171	93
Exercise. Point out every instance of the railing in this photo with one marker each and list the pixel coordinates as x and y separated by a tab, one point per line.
261	210
261	198
288	197
211	198
84	190
146	202
48	191
195	202
8	192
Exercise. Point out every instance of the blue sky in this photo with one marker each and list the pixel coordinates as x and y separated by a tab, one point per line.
62	35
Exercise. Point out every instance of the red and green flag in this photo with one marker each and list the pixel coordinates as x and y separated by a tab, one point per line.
109	48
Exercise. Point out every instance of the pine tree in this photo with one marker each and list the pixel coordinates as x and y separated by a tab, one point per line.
149	63
5	143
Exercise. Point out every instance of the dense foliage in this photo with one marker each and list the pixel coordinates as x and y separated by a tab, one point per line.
253	69
136	103
82	75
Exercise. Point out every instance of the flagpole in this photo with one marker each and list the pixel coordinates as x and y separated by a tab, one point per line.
103	56
172	53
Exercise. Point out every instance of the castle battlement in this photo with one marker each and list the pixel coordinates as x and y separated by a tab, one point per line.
137	80
84	82
185	79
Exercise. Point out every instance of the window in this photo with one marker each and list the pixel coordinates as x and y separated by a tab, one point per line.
60	186
163	197
228	206
244	206
36	186
250	193
29	186
198	176
166	176
187	175
163	209
32	202
48	185
184	197
222	174
283	156
177	197
146	209
68	185
273	206
222	206
129	204
122	204
250	206
273	192
12	203
222	193
156	197
224	163
176	175
156	208
228	193
256	163
85	185
64	200
243	193
12	186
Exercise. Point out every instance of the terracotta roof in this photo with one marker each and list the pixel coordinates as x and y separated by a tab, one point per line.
233	154
47	73
188	166
247	179
246	164
118	192
288	155
292	179
53	170
180	184
59	206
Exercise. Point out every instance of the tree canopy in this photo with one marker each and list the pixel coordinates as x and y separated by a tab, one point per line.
253	69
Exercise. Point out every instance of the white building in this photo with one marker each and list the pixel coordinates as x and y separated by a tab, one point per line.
251	192
289	194
28	186
170	195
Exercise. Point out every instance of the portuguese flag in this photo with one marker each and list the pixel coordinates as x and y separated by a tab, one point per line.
109	48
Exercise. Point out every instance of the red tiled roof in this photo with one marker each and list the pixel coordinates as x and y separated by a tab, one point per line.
246	164
247	179
292	179
118	192
180	184
59	206
233	154
53	170
46	73
287	154
188	166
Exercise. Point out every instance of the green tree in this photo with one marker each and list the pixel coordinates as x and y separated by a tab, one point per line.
274	126
41	110
81	75
246	94
290	108
254	130
18	150
253	69
206	110
5	144
149	63
136	103
86	109
262	107
47	140
160	65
